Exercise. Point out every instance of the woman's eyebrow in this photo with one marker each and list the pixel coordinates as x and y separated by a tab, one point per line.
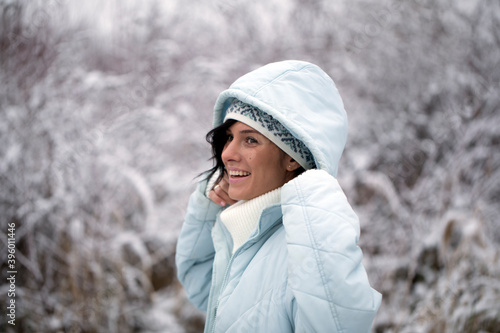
249	131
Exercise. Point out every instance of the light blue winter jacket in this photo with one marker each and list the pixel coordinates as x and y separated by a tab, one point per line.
300	270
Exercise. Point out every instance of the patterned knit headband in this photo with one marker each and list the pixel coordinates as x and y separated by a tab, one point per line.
271	129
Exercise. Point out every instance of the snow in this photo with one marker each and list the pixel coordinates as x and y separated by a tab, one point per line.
103	112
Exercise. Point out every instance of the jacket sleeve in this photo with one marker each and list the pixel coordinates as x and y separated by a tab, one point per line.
195	251
329	285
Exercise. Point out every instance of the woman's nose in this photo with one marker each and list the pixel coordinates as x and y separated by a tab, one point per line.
230	152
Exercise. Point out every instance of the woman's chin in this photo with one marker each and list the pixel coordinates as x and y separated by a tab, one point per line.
238	195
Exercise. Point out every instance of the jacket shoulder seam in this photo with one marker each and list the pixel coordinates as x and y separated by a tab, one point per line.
318	262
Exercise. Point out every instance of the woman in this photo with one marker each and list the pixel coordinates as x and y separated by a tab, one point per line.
272	246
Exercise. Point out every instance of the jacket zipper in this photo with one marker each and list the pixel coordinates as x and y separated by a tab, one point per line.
226	275
223	285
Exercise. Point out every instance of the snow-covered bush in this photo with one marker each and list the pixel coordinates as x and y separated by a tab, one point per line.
103	111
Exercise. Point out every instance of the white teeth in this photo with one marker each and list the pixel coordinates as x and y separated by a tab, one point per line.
238	173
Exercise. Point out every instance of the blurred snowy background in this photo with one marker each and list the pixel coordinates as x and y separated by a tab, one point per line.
103	110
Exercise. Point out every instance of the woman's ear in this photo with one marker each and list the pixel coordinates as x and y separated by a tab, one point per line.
292	164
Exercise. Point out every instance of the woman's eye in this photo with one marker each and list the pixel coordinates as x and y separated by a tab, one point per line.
251	140
229	138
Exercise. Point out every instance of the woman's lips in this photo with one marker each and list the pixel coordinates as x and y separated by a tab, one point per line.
236	176
238	173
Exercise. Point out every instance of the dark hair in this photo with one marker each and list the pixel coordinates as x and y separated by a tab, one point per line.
217	138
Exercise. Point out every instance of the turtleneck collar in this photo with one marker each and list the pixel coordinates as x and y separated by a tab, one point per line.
241	218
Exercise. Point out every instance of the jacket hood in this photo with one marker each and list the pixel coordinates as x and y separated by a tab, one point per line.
303	98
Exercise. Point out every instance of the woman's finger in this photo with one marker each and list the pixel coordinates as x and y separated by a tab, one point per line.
219	190
224	184
215	198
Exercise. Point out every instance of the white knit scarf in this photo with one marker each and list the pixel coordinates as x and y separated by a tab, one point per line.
241	218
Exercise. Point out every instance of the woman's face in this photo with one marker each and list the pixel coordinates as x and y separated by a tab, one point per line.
254	164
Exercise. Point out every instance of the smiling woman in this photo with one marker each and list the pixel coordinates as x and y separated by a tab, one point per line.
254	164
270	242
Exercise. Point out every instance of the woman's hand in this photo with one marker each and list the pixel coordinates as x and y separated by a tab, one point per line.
219	193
